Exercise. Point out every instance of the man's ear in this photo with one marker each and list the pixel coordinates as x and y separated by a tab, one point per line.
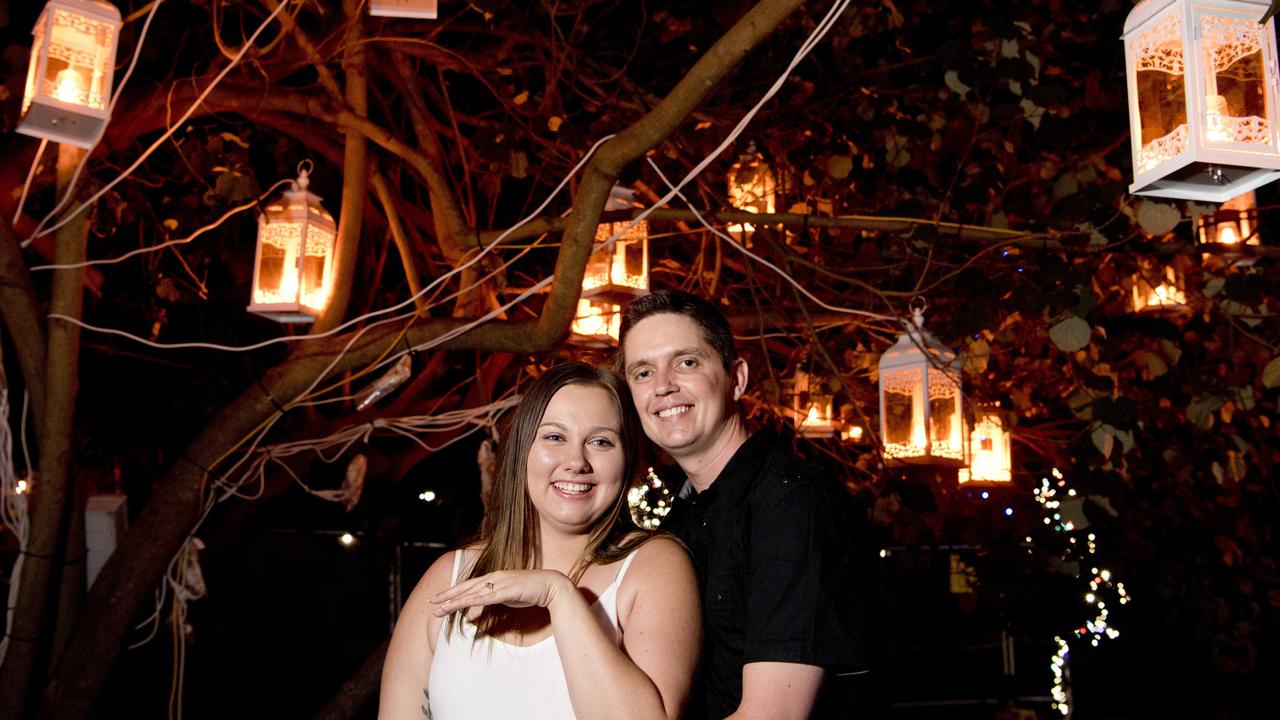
738	373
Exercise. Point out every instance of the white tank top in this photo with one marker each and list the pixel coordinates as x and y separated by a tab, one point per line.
494	680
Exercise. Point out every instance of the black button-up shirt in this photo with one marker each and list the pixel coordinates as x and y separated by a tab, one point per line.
771	540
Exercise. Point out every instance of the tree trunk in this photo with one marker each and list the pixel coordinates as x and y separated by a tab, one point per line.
30	642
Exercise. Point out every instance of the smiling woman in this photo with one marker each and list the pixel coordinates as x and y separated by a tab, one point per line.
562	606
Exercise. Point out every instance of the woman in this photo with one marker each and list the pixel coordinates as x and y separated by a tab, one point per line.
562	608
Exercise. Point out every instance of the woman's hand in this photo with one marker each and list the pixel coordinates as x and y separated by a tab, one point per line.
516	588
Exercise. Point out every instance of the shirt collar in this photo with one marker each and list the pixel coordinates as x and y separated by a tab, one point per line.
745	461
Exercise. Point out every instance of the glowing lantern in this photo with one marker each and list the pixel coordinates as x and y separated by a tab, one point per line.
421	9
293	271
1202	98
990	454
752	187
1158	287
69	79
614	274
812	405
597	323
920	408
1235	222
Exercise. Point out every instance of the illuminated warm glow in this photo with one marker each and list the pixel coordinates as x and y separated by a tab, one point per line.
1235	222
69	77
920	401
854	433
427	496
597	320
1202	84
347	539
623	269
71	87
812	406
1165	293
293	273
753	188
420	9
990	453
22	487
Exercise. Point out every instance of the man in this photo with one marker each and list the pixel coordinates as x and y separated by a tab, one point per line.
769	533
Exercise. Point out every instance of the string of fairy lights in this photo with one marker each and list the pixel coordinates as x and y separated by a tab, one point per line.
1101	587
649	501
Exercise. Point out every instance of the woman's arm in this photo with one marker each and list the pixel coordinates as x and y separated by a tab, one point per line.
649	677
405	671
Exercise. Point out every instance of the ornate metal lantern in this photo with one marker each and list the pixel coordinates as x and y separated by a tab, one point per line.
1235	223
69	78
1159	287
421	9
752	187
921	419
614	275
812	406
293	270
990	453
1202	98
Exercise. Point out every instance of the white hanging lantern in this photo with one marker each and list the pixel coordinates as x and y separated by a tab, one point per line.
990	452
1159	287
921	420
752	187
73	56
420	9
1235	223
293	270
812	406
1202	85
621	272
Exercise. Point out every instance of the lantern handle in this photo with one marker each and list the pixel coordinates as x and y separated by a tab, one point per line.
917	306
304	171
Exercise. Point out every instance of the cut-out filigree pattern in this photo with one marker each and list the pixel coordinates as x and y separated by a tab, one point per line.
1160	47
1162	149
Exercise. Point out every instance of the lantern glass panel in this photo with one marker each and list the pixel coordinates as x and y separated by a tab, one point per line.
277	280
752	187
1235	97
1233	224
902	391
812	406
77	69
1157	286
626	266
946	424
598	321
990	454
1161	93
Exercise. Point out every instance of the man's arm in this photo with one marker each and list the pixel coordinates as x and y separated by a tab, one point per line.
778	691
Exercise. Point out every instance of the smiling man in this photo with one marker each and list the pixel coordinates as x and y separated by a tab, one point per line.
769	533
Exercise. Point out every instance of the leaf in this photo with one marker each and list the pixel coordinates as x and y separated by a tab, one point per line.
1201	410
977	356
1243	397
1155	366
1214	286
1032	112
234	186
553	123
1157	218
1172	352
952	79
1271	373
839	166
1070	334
522	98
1103	439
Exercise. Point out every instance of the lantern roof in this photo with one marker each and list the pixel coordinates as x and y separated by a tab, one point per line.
913	343
621	198
104	10
1148	9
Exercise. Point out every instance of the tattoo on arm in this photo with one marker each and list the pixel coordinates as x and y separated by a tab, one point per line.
426	707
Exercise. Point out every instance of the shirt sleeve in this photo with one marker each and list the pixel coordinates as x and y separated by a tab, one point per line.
800	602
